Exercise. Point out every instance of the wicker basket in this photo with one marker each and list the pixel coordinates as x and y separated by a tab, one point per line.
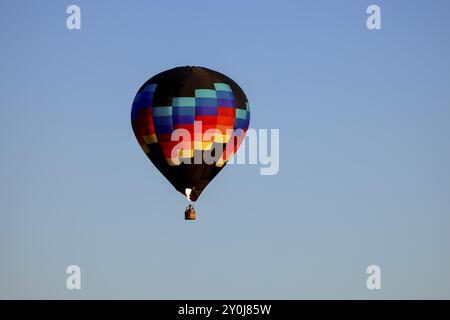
190	214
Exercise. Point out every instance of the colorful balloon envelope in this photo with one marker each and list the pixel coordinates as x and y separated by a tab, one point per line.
190	121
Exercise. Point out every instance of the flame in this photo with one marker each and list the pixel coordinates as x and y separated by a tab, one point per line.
187	192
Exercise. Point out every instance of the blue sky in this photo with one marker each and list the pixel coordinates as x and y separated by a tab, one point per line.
364	178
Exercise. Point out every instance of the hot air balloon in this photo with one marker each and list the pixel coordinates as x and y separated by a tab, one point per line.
190	121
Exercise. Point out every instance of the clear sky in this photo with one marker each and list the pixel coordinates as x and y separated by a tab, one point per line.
364	119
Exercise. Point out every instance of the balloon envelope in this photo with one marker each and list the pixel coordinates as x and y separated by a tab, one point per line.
190	121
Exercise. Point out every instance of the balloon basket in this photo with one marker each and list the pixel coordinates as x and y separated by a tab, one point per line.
190	214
